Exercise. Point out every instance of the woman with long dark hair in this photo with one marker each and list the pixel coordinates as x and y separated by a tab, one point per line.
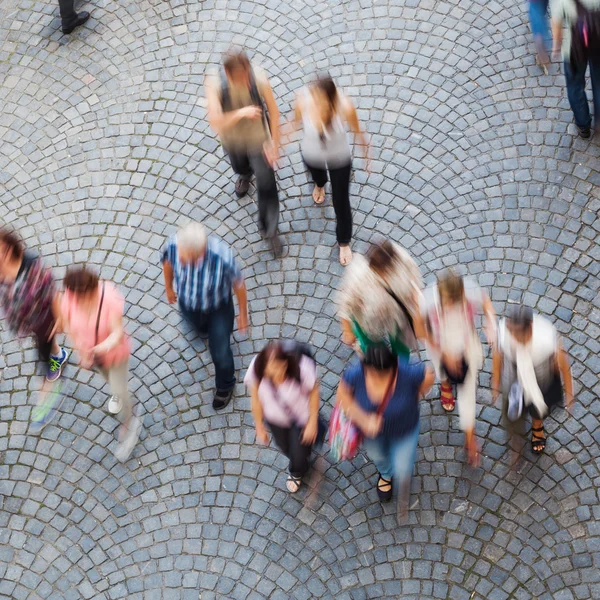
285	396
325	113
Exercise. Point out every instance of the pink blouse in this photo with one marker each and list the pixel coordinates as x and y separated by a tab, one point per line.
288	402
82	325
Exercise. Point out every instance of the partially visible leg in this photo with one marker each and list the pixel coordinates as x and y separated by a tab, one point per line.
340	193
67	12
241	165
575	79
379	452
595	76
299	453
319	177
268	199
220	327
466	395
281	435
538	16
195	318
404	455
118	381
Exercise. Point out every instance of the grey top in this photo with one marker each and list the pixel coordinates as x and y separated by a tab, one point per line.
565	12
324	147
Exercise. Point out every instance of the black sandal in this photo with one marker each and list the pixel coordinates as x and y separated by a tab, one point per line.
385	495
538	443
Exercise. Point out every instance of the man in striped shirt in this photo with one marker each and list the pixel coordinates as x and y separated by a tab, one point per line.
202	273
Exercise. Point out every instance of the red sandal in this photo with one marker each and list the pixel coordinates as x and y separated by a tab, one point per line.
447	397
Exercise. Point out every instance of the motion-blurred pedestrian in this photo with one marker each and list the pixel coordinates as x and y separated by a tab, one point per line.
380	299
27	295
201	272
243	113
530	368
449	309
283	383
538	19
325	113
380	395
91	314
580	47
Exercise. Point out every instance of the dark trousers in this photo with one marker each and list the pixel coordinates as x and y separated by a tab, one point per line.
288	440
67	12
577	96
218	324
340	193
266	185
41	333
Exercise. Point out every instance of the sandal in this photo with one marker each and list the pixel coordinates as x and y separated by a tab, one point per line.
293	484
447	397
319	195
384	489
538	443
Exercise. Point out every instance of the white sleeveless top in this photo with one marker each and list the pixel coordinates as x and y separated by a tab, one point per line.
331	149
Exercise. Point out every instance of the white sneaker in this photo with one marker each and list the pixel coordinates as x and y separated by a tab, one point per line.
125	448
115	405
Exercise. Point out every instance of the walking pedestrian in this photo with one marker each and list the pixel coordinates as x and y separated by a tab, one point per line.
201	272
580	47
91	314
538	19
325	113
380	300
531	369
242	111
69	17
380	395
449	310
285	396
27	296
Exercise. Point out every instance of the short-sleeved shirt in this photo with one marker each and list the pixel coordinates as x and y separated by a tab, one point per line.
82	324
206	285
287	403
401	415
565	11
247	135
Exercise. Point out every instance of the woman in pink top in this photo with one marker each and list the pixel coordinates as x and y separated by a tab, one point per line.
91	314
285	395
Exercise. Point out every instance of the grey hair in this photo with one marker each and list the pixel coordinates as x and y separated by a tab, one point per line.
192	237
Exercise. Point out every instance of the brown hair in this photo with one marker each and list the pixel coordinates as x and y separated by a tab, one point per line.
235	61
13	241
326	85
80	280
276	351
451	286
381	256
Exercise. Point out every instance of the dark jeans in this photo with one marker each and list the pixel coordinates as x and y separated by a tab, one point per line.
218	324
577	96
67	12
41	333
268	200
288	440
340	193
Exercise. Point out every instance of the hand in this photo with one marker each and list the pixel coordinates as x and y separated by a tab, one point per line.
250	112
262	436
100	350
309	434
373	425
243	322
171	296
271	153
348	338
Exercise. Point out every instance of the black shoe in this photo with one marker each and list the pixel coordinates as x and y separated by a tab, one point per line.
222	398
385	494
584	132
276	245
82	17
242	186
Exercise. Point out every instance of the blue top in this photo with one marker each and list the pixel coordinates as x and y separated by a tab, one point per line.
401	414
206	285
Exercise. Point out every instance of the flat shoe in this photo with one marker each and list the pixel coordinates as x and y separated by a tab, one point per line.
82	17
222	398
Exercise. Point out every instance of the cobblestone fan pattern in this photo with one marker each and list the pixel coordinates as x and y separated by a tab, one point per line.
105	150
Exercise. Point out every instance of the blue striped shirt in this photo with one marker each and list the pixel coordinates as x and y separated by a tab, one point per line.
206	285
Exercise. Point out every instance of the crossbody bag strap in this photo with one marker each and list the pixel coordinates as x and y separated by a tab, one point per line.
99	312
403	308
389	392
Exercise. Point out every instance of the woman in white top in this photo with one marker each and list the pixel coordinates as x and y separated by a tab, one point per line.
325	113
531	368
449	311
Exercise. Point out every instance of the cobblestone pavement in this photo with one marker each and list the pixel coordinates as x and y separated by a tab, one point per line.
105	150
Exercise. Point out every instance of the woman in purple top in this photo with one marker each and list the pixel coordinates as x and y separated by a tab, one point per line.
391	431
285	396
